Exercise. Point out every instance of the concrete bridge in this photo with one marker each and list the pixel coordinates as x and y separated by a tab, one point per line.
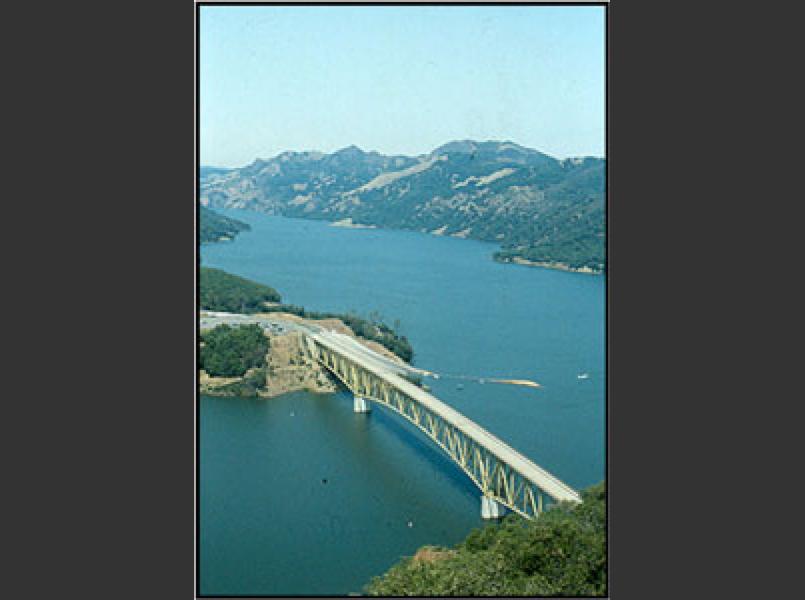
506	478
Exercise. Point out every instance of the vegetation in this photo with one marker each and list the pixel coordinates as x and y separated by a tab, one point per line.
561	553
252	382
371	329
213	227
231	351
222	291
584	251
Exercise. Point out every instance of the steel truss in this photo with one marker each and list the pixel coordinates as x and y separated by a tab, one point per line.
493	476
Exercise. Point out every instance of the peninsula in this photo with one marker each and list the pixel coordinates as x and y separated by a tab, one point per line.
249	345
218	228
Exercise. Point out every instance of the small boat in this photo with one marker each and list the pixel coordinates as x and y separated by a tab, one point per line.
410	524
582	376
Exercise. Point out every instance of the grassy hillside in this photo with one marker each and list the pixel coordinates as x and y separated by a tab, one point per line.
561	553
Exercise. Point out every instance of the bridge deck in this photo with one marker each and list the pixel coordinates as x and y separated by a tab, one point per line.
539	476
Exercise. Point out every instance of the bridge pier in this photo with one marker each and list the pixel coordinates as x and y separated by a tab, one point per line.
491	508
361	404
508	481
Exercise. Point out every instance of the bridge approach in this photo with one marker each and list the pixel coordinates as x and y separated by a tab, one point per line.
507	479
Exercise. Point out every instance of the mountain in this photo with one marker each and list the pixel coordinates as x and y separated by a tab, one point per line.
215	228
540	209
205	171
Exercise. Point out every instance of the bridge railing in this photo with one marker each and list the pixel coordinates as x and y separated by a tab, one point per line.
500	472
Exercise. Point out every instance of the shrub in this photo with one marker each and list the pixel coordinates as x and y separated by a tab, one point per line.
560	553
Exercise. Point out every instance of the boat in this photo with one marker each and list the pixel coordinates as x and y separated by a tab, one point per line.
582	376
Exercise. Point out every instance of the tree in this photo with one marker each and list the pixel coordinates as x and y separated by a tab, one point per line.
231	351
560	553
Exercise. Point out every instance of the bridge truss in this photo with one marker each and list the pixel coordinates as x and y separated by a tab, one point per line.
494	476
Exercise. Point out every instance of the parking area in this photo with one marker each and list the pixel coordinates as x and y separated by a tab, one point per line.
210	320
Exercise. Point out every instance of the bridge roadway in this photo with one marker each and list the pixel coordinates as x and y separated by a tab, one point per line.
277	325
494	466
377	365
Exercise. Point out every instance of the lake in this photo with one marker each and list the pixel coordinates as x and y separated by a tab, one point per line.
301	496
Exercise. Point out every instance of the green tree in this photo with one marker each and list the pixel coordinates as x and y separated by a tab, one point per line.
231	351
222	291
561	553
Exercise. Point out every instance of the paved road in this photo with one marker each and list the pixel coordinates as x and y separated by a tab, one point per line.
547	482
394	373
279	326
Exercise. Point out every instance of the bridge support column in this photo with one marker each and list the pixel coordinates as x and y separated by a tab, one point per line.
361	404
491	508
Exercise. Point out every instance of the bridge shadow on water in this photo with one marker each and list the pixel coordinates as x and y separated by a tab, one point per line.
413	439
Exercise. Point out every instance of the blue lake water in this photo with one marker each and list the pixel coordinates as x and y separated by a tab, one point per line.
269	524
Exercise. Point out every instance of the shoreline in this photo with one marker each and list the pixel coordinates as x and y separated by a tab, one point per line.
347	223
557	266
286	367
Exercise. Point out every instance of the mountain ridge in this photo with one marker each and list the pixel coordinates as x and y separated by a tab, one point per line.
542	210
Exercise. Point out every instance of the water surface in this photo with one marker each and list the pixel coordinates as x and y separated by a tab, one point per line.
269	525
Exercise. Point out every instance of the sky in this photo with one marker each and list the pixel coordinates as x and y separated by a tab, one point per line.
399	79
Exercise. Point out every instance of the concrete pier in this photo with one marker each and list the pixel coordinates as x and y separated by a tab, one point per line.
482	456
491	508
361	405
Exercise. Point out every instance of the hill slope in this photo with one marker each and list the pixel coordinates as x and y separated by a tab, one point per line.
222	291
213	227
537	207
561	553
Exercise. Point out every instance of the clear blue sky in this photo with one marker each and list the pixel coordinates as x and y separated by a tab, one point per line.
399	80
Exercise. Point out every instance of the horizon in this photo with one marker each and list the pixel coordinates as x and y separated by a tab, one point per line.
417	155
399	80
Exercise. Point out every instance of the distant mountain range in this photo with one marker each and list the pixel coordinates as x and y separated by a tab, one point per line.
540	209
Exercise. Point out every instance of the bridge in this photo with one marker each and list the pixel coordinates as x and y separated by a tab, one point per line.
506	478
